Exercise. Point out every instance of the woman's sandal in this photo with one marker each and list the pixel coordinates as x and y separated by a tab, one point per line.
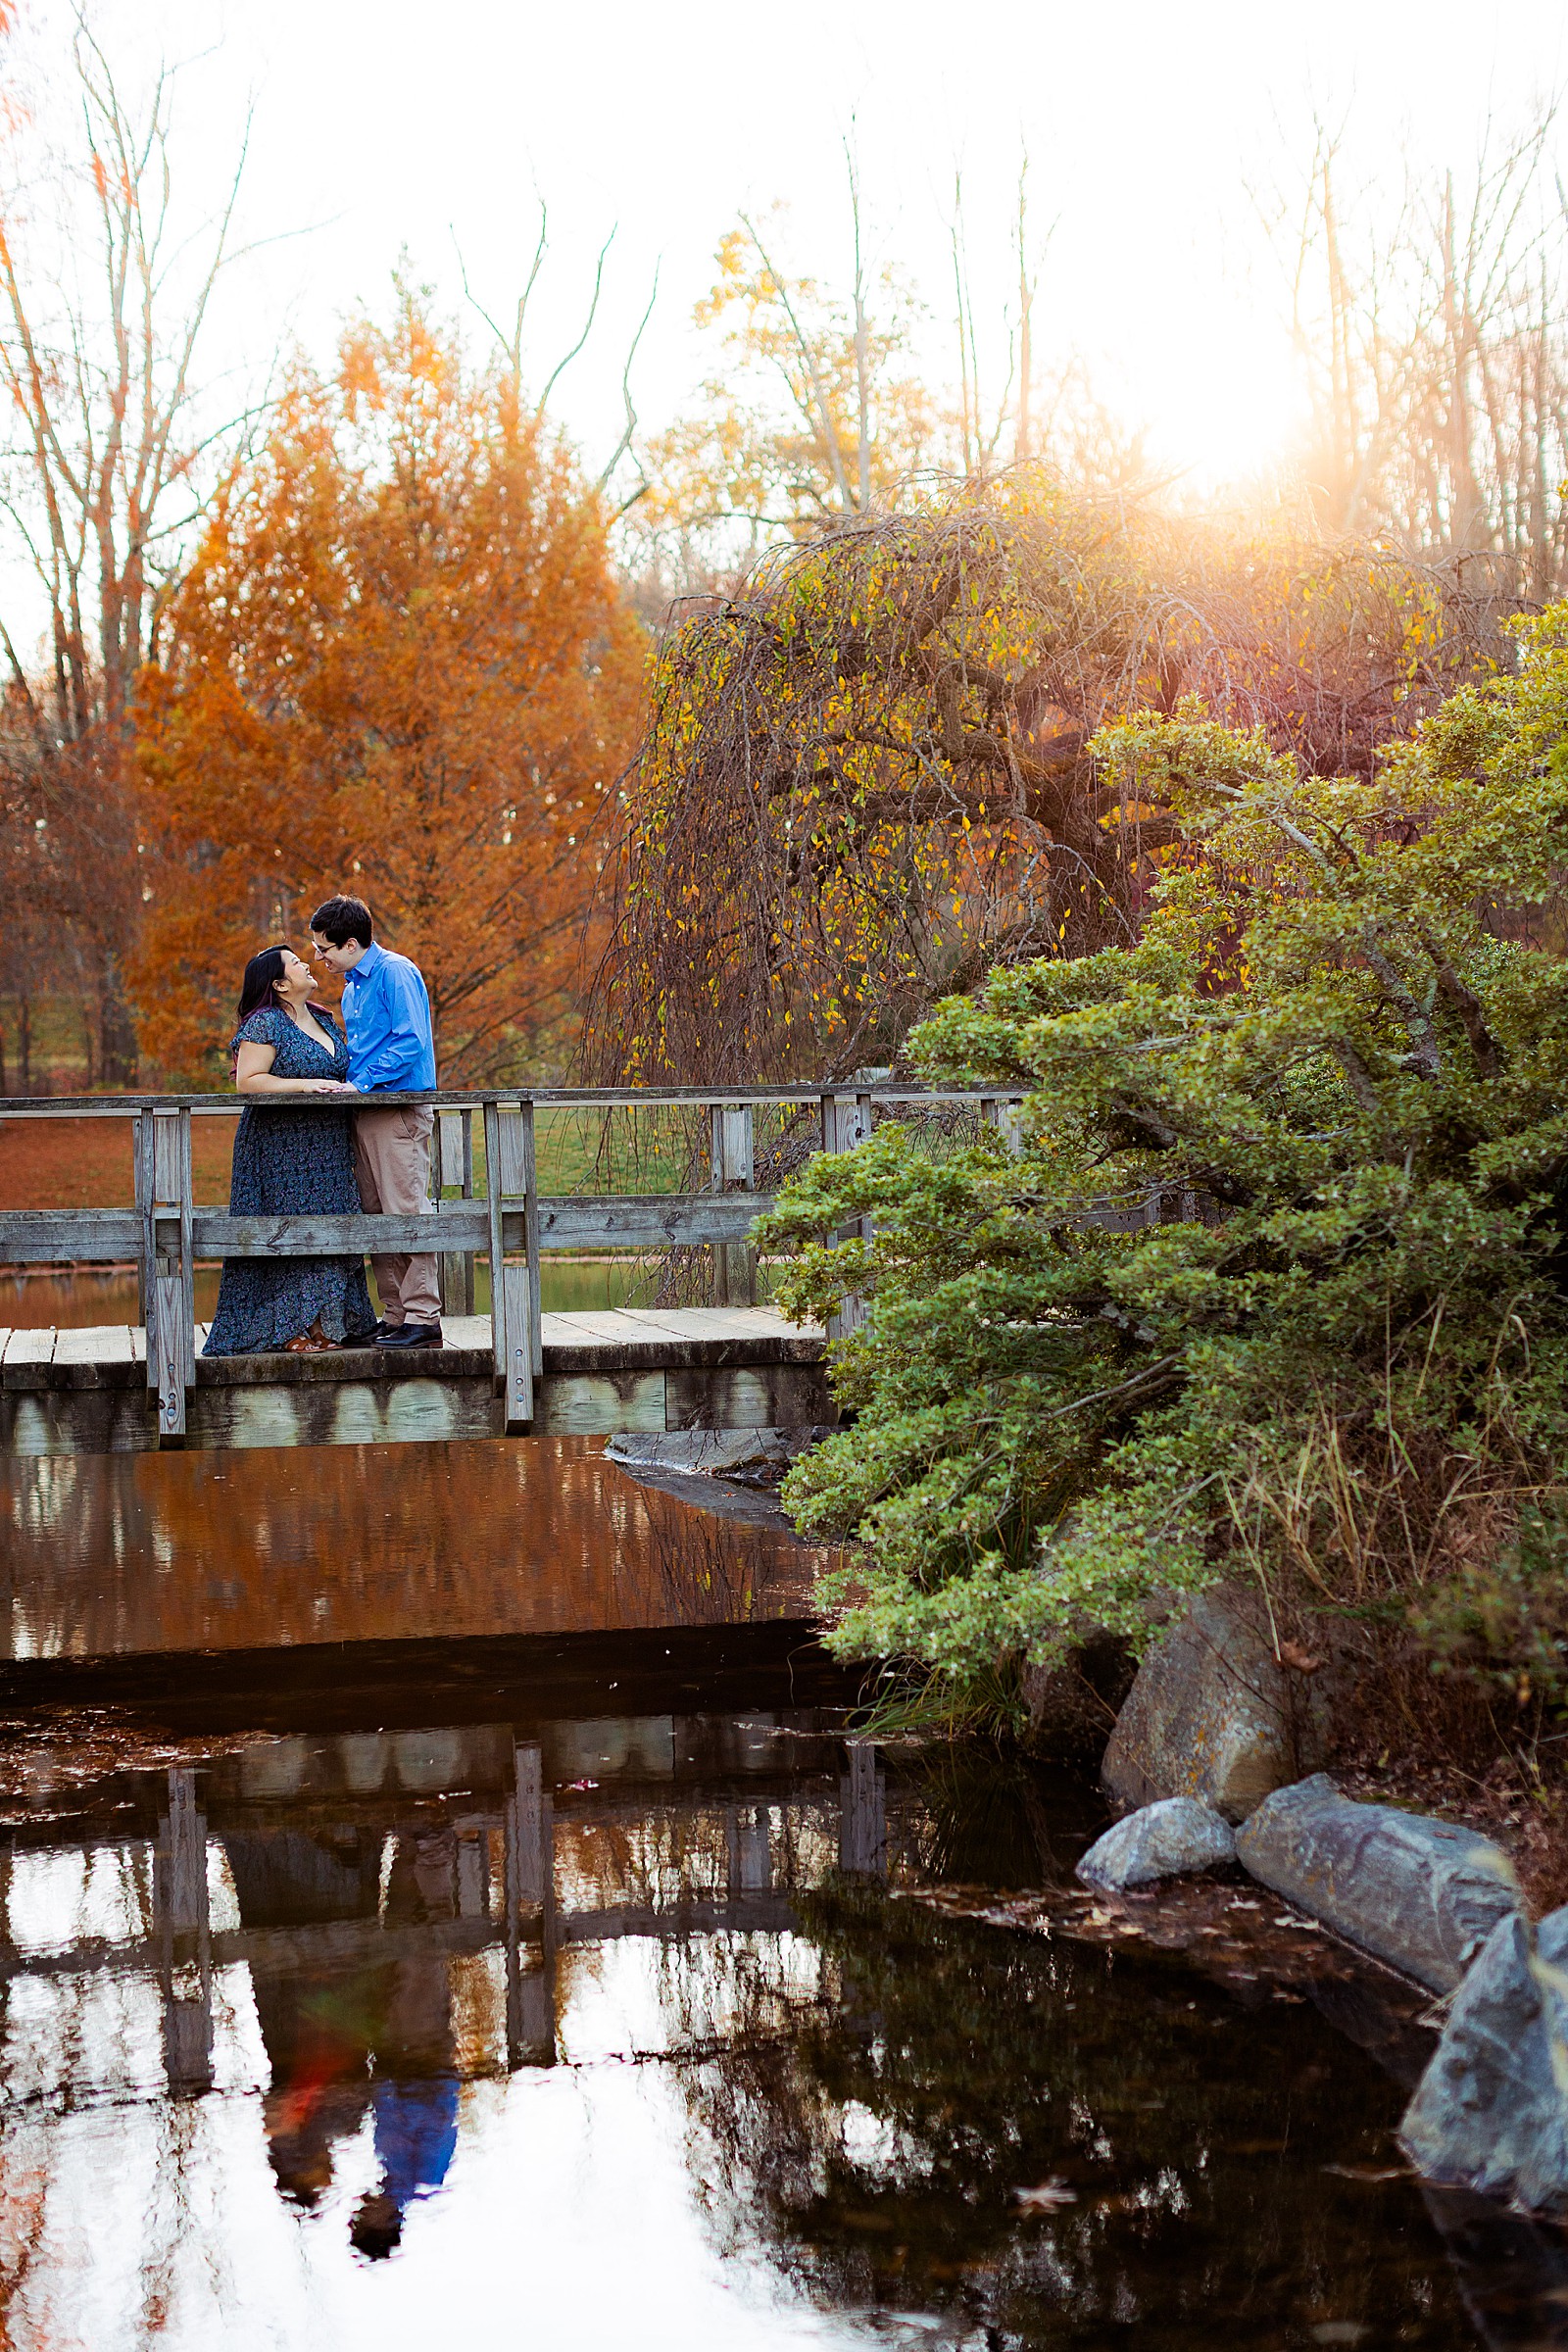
314	1341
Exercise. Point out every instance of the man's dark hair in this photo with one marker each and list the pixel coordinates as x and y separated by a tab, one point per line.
343	919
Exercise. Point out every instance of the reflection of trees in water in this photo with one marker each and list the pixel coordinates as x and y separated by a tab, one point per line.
123	2193
709	1571
25	2178
709	1985
877	2145
659	1856
985	1820
865	2095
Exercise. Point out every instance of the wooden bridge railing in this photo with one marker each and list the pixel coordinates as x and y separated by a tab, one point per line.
164	1232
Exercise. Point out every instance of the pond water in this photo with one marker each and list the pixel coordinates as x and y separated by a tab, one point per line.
264	1548
481	2005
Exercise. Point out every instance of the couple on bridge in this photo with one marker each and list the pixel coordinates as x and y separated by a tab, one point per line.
296	1161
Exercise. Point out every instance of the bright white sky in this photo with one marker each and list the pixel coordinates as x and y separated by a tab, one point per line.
381	123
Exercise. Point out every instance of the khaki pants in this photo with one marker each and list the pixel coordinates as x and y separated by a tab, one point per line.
392	1161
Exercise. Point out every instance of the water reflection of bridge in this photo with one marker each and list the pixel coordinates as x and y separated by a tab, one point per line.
355	1878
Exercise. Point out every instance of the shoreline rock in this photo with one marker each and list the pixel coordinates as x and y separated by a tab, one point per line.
1491	2112
1213	1715
1422	1895
749	1457
1172	1839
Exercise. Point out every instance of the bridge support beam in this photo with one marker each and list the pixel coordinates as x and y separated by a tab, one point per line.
846	1122
168	1271
517	1324
732	1158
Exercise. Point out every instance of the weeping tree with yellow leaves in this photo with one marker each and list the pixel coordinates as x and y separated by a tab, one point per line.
866	777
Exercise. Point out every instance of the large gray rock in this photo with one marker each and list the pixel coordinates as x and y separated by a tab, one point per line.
1422	1895
1491	2112
1212	1714
714	1452
1160	1841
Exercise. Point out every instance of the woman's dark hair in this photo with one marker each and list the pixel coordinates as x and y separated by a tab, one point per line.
259	988
342	919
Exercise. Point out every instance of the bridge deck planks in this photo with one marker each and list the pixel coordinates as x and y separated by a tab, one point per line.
100	1344
647	1333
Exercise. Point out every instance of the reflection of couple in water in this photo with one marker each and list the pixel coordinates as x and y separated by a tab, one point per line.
329	1160
348	2040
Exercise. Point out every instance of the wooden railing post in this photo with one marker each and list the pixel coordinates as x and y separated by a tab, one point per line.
731	1161
846	1122
1005	1115
454	1166
466	1117
516	1328
142	1162
164	1185
530	1242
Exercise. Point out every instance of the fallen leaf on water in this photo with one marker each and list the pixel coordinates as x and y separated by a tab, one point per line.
1368	2172
1046	2198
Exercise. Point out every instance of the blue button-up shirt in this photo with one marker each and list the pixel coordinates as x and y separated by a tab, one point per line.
386	1019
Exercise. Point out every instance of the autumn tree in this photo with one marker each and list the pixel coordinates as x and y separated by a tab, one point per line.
399	664
819	413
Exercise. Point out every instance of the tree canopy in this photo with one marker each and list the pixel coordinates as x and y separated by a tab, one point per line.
400	663
870	773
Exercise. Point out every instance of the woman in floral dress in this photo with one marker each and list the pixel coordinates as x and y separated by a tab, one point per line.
290	1161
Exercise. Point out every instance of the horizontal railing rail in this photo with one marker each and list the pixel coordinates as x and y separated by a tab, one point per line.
510	1223
552	1097
573	1221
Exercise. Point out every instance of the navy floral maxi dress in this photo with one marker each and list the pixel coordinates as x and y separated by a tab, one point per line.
291	1162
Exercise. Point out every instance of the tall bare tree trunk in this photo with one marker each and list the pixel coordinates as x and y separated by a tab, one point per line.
97	377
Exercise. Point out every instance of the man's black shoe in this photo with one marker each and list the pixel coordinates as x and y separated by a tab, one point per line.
413	1335
365	1339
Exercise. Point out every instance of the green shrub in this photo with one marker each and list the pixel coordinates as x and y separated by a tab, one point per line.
1340	1362
1504	1624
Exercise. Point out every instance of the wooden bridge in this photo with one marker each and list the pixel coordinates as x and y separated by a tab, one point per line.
733	1364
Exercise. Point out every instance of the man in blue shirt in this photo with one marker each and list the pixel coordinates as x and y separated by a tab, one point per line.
386	1019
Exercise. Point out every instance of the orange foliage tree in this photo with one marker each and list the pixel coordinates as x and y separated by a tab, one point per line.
400	664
